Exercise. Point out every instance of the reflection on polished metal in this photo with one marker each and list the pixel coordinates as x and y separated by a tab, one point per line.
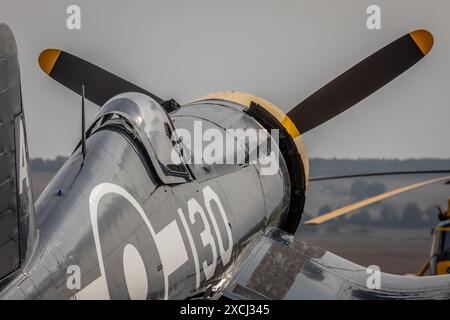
154	130
276	270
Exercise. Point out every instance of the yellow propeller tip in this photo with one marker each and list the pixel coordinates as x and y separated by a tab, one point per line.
423	39
48	58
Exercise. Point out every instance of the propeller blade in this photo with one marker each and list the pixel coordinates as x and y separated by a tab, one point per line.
361	80
363	203
73	72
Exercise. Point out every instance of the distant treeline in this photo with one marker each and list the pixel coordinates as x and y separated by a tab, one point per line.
407	217
329	167
47	165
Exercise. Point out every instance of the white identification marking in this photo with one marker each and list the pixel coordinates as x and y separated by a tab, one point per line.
194	249
172	249
23	163
94	290
97	193
206	236
210	196
135	273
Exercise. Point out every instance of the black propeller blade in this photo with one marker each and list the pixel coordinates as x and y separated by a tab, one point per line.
74	72
361	80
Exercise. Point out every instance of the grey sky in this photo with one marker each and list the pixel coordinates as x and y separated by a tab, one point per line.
280	50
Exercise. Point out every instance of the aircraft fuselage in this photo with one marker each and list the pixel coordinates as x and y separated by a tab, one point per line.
131	236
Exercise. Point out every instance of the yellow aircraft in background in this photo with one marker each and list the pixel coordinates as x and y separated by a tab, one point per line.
439	261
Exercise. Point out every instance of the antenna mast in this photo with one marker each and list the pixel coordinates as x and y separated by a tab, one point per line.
83	124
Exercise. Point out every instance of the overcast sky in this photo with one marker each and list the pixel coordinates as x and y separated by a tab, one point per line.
280	50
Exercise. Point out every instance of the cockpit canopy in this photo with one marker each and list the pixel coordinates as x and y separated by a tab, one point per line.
154	130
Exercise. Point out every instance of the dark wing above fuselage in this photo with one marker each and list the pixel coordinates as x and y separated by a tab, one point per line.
282	268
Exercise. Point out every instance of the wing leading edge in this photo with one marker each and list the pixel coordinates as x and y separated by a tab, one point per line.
282	268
